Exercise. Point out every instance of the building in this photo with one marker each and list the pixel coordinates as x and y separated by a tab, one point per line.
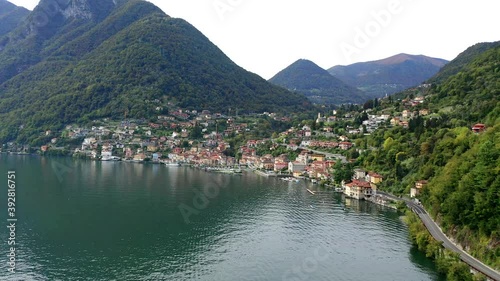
374	178
318	157
359	174
423	112
419	185
139	157
296	168
478	128
303	157
345	145
358	189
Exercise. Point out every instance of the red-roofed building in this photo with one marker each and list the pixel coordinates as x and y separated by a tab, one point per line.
478	128
345	145
358	189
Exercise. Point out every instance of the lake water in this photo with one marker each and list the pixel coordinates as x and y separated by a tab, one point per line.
85	220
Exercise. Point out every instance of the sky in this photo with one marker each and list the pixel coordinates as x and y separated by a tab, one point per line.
264	37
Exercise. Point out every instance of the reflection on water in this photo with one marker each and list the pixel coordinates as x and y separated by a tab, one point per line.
86	220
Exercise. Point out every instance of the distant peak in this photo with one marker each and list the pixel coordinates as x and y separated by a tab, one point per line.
401	58
304	61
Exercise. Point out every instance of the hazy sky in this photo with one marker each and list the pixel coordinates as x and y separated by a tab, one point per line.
266	36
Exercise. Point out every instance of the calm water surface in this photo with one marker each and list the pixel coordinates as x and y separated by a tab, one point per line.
84	220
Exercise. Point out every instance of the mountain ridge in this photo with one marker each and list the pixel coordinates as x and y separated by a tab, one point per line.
390	75
464	58
102	69
306	77
10	16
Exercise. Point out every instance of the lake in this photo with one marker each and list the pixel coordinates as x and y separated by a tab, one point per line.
87	220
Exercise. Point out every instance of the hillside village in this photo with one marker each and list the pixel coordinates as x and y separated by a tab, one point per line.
204	139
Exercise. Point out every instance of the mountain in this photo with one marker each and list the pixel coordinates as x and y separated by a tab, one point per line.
305	77
464	58
10	16
91	59
390	75
460	164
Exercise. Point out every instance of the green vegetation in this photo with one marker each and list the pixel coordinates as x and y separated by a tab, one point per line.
119	64
462	166
447	262
10	16
462	60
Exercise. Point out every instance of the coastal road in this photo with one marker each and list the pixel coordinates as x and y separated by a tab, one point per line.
436	232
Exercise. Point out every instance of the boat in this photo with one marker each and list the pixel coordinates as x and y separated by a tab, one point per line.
175	164
222	170
310	191
290	179
110	158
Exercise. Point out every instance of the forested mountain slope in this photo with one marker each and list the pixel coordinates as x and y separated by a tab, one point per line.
462	166
92	59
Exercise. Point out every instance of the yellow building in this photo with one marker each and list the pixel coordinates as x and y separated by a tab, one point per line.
318	157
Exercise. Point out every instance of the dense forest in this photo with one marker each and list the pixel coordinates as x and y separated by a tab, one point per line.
462	166
76	70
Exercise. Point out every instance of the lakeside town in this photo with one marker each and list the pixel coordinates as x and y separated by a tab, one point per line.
314	151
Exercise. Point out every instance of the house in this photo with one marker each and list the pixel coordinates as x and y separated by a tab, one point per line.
129	154
359	174
331	119
423	112
156	157
478	128
415	191
280	165
318	169
374	178
303	157
345	145
152	148
395	121
267	162
318	157
139	157
358	189
296	168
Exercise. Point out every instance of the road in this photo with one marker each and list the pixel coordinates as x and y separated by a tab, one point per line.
329	155
436	232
